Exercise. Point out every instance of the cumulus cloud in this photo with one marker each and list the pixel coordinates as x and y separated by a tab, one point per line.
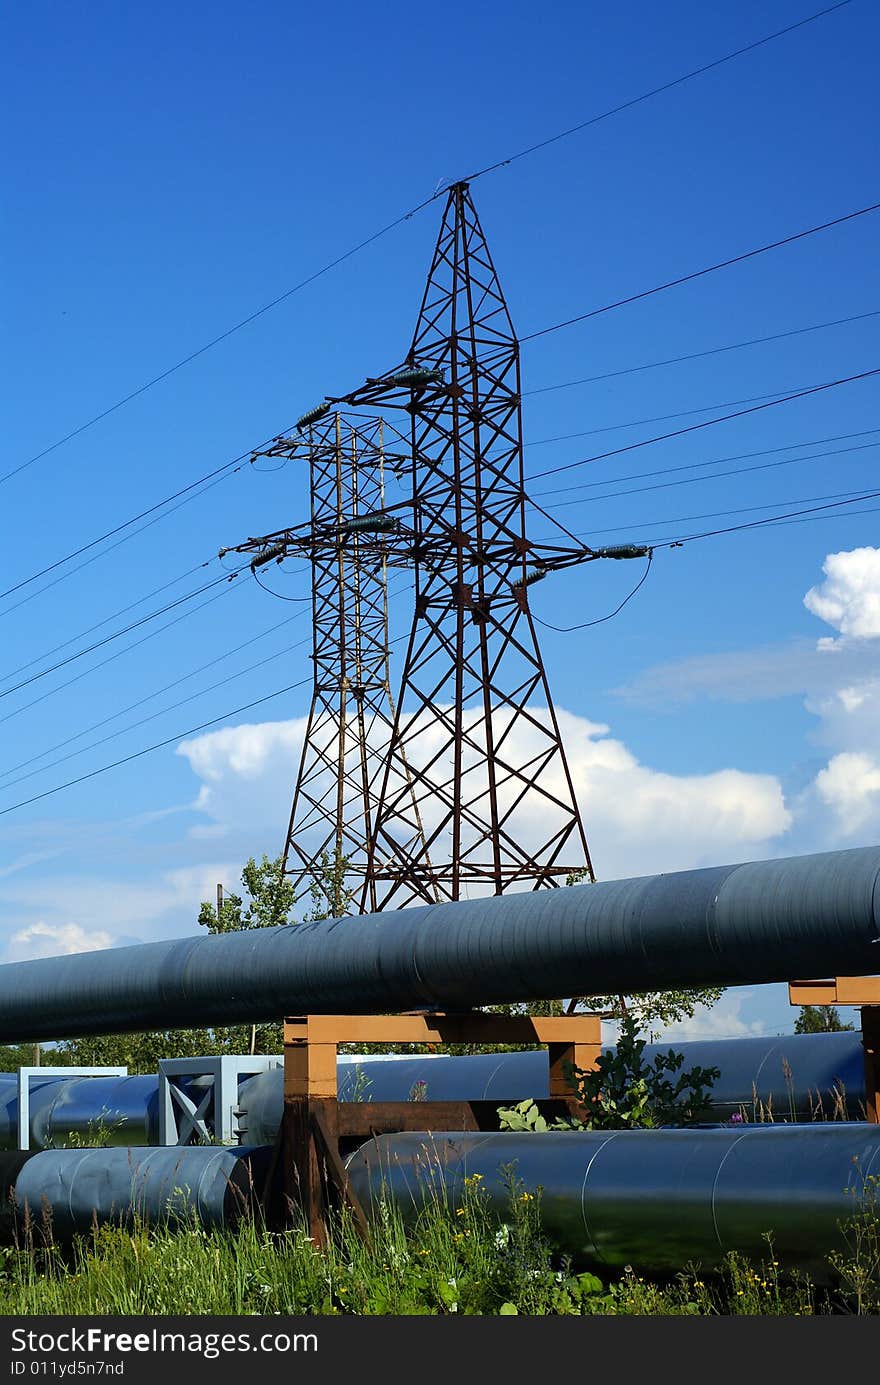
54	940
850	786
639	819
248	775
849	598
724	1020
53	913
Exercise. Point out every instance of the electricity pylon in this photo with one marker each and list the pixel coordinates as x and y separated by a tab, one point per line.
468	787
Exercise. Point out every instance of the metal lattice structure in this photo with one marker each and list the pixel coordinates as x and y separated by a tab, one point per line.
352	710
475	722
459	784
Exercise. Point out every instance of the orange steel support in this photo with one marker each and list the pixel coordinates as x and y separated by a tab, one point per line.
317	1129
863	991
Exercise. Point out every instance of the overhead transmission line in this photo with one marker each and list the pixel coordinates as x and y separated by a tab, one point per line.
600	620
157	692
126	629
699	355
152	716
701	273
413	211
715	461
169	740
708	423
159	745
664	418
117	654
163	711
854	496
714	476
227	467
237	464
760	523
123	610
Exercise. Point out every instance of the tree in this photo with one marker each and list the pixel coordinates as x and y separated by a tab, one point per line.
270	900
625	1092
819	1019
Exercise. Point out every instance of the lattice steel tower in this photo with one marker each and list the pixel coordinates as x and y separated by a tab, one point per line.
475	717
471	790
352	709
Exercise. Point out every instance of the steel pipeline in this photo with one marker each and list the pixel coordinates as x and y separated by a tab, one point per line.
124	1110
653	1199
726	925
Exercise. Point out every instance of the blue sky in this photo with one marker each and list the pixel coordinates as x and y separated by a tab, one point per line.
173	168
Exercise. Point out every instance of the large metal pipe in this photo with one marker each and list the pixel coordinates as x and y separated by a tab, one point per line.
125	1110
725	925
653	1199
61	1193
827	1079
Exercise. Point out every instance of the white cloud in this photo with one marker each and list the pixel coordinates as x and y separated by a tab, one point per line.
849	598
850	786
248	775
638	819
724	1020
54	940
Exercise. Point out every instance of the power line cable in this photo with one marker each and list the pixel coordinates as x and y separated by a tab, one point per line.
408	215
152	716
760	523
280	596
159	745
656	91
585	625
133	625
716	461
84	548
715	476
111	548
118	654
701	273
662	418
170	740
123	610
157	692
708	423
163	711
699	355
743	510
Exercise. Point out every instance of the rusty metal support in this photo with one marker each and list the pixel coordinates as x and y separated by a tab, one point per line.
317	1130
459	785
863	991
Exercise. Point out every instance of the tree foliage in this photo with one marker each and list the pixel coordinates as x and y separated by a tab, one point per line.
819	1019
625	1092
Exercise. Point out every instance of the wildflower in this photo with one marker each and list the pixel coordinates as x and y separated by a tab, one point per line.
460	1212
526	1197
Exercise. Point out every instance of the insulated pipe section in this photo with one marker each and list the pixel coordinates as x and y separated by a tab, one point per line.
58	1194
726	925
824	1068
827	1079
654	1199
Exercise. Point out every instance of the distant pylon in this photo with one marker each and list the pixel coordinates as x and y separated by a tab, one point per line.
352	709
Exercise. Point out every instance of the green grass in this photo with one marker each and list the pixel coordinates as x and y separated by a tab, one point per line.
461	1261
